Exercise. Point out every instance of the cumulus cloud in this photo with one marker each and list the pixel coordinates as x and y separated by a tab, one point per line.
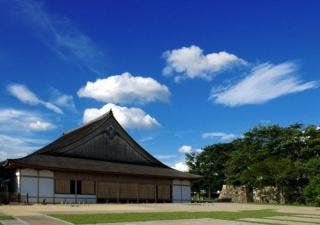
185	149
22	120
223	137
181	166
191	62
59	34
265	82
22	93
125	88
127	117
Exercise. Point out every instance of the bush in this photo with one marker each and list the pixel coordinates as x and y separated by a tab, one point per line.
312	191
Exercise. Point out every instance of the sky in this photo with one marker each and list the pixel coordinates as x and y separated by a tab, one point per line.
178	75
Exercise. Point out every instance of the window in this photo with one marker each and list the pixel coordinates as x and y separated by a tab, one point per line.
72	186
87	187
62	186
79	189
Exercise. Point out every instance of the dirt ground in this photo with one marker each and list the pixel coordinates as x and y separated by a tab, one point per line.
36	214
25	210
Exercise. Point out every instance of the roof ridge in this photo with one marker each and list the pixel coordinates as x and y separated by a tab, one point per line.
105	115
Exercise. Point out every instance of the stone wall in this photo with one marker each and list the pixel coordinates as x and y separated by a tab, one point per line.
243	194
236	194
266	195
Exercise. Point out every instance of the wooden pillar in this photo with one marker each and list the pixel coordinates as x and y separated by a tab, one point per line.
54	190
137	192
155	193
75	191
118	195
171	193
38	187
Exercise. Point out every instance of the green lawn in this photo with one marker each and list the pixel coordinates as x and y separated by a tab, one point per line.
133	217
5	217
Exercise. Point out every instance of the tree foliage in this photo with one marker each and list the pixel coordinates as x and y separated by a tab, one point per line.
286	158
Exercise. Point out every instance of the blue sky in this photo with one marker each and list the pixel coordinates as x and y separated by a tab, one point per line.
179	75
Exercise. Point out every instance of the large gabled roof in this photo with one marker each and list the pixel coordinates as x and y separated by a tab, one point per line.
71	143
101	145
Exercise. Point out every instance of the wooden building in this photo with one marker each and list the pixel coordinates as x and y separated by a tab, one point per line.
98	162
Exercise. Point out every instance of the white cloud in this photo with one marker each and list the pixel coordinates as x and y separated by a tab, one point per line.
181	166
265	82
185	149
127	117
62	100
22	93
59	34
12	147
191	62
223	137
125	88
12	119
39	125
165	157
146	139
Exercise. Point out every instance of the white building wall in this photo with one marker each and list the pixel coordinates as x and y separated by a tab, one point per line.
37	185
181	191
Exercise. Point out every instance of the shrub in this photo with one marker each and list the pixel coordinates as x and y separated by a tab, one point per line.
312	191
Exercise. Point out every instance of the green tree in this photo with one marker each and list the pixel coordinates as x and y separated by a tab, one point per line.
312	191
286	158
210	164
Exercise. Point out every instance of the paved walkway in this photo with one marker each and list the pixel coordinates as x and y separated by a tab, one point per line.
41	220
35	220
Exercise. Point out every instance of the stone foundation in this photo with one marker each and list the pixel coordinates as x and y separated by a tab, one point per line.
242	194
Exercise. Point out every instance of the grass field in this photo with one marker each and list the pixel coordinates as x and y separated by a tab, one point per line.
134	217
5	217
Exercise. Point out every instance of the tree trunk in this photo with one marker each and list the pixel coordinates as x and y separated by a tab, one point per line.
281	195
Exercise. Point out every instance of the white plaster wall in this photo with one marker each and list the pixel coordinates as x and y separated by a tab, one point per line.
45	173
186	182
46	187
37	187
181	191
29	185
186	193
176	182
176	193
28	172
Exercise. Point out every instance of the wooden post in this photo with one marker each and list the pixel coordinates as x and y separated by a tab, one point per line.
155	193
137	192
38	187
118	195
76	191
